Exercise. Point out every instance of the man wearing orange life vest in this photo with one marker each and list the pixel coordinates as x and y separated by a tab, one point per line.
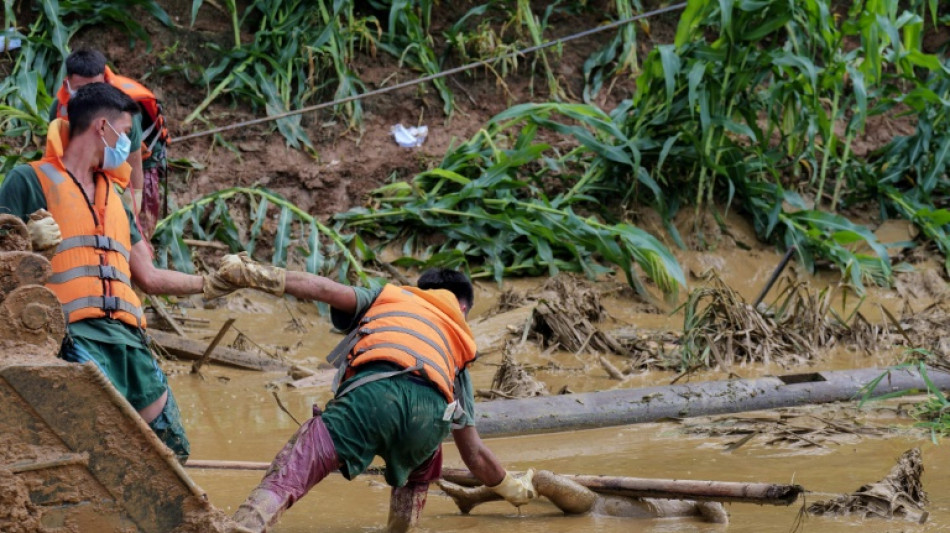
75	216
404	388
148	134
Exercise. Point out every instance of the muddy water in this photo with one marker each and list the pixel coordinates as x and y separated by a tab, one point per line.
232	415
239	420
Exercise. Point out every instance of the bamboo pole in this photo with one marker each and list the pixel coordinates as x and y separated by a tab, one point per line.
675	489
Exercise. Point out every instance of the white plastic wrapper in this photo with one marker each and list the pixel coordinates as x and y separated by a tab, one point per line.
8	42
409	137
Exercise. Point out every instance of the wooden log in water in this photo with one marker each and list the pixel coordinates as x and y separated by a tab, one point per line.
185	348
633	487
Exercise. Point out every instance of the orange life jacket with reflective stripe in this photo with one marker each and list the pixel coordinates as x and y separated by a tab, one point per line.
422	331
91	274
156	130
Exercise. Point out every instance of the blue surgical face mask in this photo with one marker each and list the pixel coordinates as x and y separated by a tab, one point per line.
113	157
70	90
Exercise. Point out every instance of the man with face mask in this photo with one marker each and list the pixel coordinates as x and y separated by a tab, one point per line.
76	218
148	136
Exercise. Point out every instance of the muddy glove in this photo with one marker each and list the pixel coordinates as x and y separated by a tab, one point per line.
241	271
44	231
216	287
516	490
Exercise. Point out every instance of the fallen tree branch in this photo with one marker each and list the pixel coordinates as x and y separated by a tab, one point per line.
675	489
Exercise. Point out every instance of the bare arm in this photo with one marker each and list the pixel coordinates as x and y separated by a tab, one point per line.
308	286
159	281
477	457
138	175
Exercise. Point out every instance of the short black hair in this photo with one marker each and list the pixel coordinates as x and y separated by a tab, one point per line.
94	100
450	280
85	62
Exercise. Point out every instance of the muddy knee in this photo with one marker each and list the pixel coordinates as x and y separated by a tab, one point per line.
567	495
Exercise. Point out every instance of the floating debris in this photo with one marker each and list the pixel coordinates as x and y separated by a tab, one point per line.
791	428
512	380
899	495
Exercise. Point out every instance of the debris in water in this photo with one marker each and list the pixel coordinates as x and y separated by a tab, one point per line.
790	428
899	495
512	380
721	329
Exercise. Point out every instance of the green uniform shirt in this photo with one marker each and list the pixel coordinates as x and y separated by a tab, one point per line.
399	419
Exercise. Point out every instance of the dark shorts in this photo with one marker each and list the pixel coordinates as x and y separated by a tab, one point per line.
398	419
132	370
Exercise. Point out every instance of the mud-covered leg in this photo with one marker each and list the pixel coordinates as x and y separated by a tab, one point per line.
167	425
405	506
569	496
304	461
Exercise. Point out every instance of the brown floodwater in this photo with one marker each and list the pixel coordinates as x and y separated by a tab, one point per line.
232	415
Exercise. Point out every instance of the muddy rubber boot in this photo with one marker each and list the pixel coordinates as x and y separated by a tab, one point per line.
405	507
307	458
260	510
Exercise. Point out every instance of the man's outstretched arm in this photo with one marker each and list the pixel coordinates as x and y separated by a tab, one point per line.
307	286
486	467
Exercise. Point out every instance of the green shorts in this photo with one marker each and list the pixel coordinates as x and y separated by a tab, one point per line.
121	354
398	419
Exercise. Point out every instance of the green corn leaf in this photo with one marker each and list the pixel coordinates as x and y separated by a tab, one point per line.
282	237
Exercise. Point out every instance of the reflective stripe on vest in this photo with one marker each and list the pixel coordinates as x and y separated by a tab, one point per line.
422	331
106	303
100	271
99	242
91	272
53	173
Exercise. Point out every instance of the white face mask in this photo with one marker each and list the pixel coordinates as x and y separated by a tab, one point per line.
70	90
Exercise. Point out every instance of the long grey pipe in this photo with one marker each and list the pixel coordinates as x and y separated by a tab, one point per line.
631	406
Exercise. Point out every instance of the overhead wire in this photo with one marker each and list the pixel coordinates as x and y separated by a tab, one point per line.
430	77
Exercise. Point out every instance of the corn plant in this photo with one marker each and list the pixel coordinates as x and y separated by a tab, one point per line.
932	413
488	200
297	236
618	57
407	38
300	51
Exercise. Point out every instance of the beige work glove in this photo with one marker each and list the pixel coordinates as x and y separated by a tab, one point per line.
216	287
517	490
44	231
242	272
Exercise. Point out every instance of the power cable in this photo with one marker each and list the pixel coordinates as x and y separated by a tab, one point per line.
430	77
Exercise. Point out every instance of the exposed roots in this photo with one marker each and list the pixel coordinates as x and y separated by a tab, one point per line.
512	380
720	328
567	309
899	495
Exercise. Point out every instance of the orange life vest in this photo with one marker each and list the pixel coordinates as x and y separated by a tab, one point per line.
91	274
422	331
157	130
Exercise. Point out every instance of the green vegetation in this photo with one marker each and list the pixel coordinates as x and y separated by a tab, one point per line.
297	237
932	413
746	108
759	107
